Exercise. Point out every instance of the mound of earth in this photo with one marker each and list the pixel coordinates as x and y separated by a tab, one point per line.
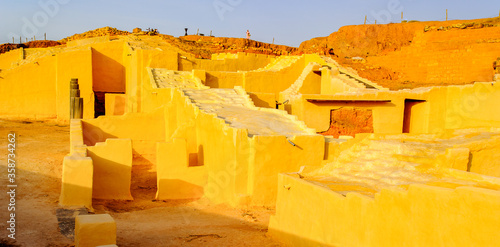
199	46
415	54
205	46
33	44
95	33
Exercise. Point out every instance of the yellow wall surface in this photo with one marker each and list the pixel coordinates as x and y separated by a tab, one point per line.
144	129
141	97
136	126
267	100
473	106
316	113
226	173
30	90
77	181
427	110
311	215
41	89
226	62
10	58
175	178
115	104
216	79
112	162
273	81
311	84
74	64
273	154
227	161
108	71
132	78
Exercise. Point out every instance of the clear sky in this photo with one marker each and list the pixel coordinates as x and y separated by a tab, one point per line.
289	22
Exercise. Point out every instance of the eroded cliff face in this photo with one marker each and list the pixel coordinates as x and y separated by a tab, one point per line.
416	54
33	44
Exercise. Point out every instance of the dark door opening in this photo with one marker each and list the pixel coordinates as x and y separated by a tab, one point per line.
409	120
99	104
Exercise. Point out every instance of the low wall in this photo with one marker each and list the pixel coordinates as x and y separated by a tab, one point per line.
312	215
101	171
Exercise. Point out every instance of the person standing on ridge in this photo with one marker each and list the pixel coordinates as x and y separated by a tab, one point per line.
248	34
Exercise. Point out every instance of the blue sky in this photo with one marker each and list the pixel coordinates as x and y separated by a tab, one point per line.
289	22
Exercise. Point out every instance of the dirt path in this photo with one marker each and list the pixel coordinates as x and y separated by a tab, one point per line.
40	149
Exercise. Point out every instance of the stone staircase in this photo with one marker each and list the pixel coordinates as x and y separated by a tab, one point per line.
352	78
234	106
279	63
163	78
238	111
293	91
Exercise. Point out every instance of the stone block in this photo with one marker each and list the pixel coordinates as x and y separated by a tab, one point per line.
77	179
95	230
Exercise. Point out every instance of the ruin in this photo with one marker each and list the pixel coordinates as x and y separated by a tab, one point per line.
415	166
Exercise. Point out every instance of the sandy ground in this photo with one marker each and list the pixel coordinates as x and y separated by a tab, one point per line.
40	148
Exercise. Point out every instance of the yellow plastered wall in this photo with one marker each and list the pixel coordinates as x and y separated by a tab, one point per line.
311	84
311	215
230	162
144	129
436	109
274	154
41	89
10	59
30	90
180	122
472	106
76	136
267	100
175	178
209	150
273	81
225	154
74	64
77	181
112	162
133	75
226	62
141	97
108	73
387	116
217	79
115	104
416	116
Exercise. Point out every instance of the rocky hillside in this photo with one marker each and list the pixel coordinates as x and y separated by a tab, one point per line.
204	46
33	44
415	54
371	40
95	33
